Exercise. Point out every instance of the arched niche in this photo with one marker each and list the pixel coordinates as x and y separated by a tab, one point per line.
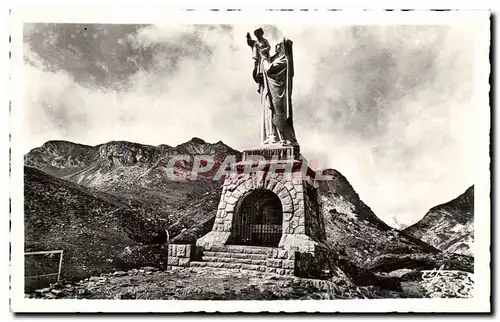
258	219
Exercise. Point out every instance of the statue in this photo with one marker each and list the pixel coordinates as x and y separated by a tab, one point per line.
273	76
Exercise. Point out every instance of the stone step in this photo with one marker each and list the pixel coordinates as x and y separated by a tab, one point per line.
234	260
248	267
229	265
242	249
234	255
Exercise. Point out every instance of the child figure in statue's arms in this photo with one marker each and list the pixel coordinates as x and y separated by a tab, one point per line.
260	50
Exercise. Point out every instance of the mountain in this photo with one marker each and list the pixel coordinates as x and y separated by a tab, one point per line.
138	175
353	228
138	172
93	228
450	226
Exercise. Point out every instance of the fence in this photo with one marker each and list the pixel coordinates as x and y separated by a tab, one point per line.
46	253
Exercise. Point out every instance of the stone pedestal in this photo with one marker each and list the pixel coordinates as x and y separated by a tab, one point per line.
282	170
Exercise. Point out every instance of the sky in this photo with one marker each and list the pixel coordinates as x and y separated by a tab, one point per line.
390	107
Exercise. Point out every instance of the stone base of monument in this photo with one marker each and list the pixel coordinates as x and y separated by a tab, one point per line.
284	178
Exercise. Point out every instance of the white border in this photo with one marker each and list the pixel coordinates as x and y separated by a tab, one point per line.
144	14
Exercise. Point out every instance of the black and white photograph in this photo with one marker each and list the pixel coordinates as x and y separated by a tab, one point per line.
276	161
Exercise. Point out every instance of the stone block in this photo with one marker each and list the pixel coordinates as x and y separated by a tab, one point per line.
273	263
288	207
288	264
256	256
300	229
271	270
271	184
287	200
231	199
190	250
289	184
278	188
213	239
198	264
283	194
287	216
298	213
184	262
280	271
181	251
247	185
228	224
275	253
173	261
282	254
240	191
258	262
230	266
286	227
229	208
222	238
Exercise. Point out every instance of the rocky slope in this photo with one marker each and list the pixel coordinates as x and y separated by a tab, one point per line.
98	232
353	228
450	226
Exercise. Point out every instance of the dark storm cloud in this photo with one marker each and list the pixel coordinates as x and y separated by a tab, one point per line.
106	56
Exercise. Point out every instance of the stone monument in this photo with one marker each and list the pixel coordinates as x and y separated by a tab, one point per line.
277	205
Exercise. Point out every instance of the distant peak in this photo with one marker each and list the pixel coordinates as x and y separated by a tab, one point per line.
56	143
52	142
125	143
197	140
220	143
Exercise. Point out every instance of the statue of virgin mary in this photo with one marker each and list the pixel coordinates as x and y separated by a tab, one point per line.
275	88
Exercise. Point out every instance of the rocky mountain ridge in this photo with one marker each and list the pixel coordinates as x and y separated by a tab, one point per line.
449	226
142	173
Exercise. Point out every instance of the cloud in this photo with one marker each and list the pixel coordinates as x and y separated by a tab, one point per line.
388	106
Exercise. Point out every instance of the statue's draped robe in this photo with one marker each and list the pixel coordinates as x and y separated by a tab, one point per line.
277	96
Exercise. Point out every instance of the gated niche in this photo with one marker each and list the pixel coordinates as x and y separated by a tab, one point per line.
258	219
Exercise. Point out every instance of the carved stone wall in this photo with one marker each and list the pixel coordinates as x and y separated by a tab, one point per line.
301	226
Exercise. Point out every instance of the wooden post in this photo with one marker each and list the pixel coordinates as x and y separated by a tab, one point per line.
60	267
168	239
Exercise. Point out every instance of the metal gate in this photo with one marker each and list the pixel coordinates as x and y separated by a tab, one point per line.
258	220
